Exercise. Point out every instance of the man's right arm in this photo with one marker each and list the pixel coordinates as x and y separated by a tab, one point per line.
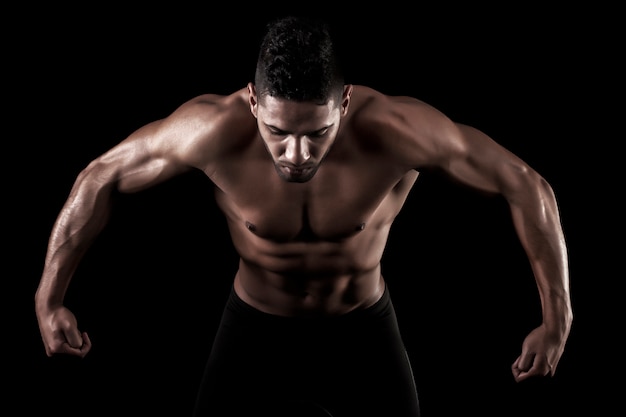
142	160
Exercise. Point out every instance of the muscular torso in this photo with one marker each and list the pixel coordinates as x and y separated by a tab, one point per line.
314	247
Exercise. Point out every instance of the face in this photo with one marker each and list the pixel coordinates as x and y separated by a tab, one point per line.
297	134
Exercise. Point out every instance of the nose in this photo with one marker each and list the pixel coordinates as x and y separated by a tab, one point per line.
297	151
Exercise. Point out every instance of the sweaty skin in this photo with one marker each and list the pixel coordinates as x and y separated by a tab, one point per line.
310	193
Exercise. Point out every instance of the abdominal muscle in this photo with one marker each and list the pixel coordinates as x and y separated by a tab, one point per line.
310	278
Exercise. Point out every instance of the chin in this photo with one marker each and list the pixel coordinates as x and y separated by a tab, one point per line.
295	178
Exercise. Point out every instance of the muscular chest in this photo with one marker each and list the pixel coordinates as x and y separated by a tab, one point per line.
338	203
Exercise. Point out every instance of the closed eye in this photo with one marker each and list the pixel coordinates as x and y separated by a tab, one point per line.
318	133
275	131
314	134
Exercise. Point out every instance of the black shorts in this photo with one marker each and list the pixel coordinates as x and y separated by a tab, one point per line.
343	366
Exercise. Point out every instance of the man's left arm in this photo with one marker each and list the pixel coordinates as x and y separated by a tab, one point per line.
480	162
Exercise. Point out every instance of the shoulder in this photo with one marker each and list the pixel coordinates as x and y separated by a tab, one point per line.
210	110
370	106
404	126
208	124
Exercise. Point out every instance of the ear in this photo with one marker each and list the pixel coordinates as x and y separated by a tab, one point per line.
345	99
252	99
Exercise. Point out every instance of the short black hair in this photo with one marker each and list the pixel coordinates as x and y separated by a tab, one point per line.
297	61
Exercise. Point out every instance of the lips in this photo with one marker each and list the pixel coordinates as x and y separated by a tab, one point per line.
295	171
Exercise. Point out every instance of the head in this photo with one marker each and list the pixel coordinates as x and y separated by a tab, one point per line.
298	96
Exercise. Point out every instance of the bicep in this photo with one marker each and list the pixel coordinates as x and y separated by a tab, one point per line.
430	140
478	161
422	138
132	165
140	161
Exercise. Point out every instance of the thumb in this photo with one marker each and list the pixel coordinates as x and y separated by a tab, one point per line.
74	338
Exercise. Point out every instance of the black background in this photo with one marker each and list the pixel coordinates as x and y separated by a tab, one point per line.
537	80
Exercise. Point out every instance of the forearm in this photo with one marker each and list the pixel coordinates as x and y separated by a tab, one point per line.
81	219
539	228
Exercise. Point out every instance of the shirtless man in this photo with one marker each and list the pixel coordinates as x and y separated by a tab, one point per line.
310	173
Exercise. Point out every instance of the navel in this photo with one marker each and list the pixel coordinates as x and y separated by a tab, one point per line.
360	227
